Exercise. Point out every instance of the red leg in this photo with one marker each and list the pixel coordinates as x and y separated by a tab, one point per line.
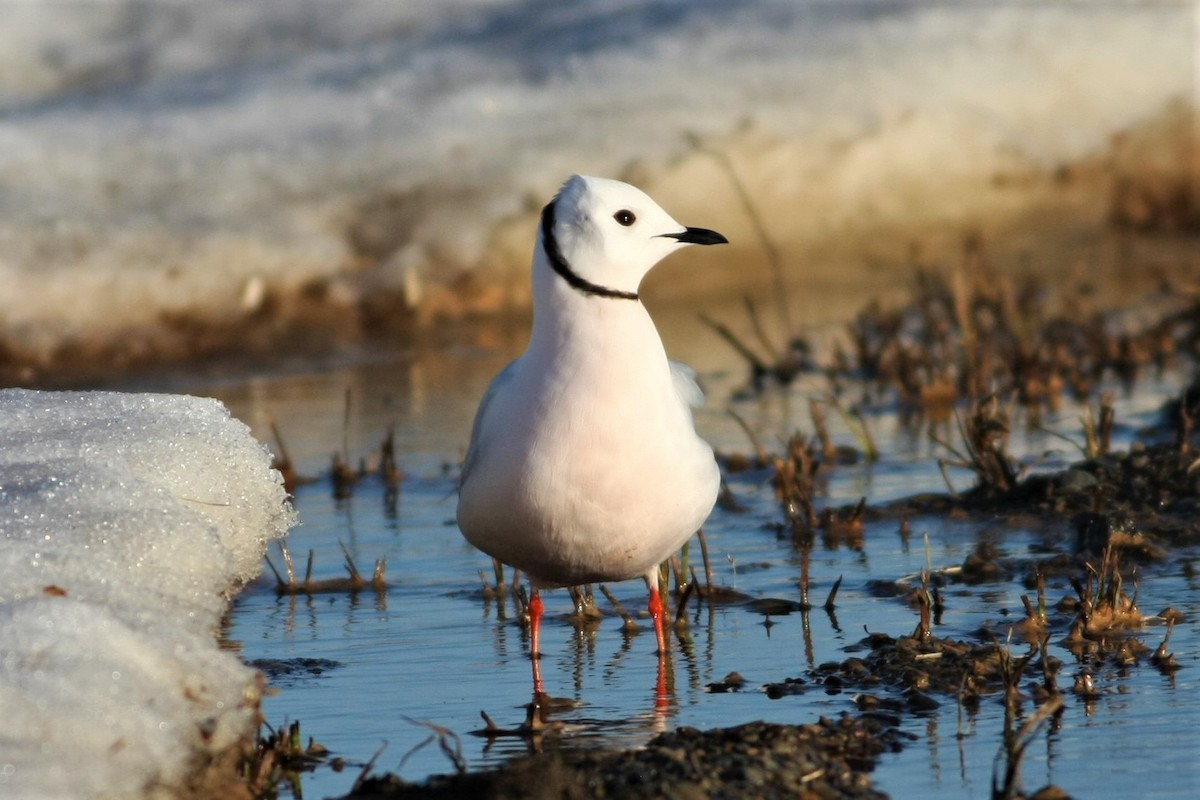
662	702
535	636
656	612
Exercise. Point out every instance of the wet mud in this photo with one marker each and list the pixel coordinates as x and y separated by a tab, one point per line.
827	759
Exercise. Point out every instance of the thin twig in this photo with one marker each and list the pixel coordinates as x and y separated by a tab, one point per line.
756	364
630	624
774	258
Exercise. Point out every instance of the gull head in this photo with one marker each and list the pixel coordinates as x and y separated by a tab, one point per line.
608	235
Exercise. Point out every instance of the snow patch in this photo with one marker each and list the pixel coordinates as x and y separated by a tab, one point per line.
126	520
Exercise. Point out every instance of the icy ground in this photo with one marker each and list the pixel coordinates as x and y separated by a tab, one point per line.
126	520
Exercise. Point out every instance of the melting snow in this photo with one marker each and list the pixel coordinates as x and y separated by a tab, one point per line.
126	520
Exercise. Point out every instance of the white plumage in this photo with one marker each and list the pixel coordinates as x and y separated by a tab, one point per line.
584	463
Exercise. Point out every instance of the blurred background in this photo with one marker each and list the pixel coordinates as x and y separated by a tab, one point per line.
257	182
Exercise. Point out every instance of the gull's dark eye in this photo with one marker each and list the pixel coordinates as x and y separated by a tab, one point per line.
625	217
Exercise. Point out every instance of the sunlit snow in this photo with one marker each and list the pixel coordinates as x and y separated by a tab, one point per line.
160	158
126	520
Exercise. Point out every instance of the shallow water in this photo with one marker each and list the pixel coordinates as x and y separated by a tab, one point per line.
431	650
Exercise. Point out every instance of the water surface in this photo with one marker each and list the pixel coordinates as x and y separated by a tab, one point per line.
432	650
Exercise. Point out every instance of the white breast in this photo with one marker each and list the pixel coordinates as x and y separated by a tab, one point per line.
585	465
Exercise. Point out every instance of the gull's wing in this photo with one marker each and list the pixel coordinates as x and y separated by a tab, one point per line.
684	378
493	389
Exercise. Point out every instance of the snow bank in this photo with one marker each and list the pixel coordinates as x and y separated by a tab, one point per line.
162	163
126	520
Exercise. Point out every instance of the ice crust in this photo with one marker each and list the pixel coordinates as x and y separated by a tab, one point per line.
126	521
